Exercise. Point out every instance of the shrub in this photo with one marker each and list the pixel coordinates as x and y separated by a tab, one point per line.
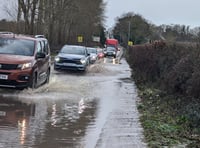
176	80
143	63
173	67
170	74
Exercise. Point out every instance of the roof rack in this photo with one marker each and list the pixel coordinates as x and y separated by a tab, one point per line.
39	36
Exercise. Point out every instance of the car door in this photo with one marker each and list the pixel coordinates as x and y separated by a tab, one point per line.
87	56
41	62
47	59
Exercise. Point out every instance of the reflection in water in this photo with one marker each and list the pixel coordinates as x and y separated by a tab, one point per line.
67	123
46	123
81	106
14	120
53	115
14	111
22	125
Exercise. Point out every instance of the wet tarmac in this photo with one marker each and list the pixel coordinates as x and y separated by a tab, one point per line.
96	109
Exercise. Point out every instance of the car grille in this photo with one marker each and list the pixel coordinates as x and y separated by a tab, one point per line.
8	66
12	83
65	60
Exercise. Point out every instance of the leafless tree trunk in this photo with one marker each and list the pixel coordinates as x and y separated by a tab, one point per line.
28	8
60	20
19	13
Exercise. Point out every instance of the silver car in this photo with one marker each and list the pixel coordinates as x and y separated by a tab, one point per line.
93	54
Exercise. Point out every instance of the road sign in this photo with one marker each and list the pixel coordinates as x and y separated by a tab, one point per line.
130	43
95	38
80	38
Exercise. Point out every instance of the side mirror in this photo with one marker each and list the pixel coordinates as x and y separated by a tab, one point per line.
40	55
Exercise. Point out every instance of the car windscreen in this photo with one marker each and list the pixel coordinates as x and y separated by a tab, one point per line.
99	50
16	46
92	50
110	49
73	50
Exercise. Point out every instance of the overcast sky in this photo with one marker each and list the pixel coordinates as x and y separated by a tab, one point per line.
184	12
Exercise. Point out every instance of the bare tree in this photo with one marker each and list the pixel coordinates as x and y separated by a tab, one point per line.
61	20
28	8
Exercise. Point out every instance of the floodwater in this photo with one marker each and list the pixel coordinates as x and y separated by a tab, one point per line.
75	110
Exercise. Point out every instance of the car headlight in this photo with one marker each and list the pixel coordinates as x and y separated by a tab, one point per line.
25	66
93	57
57	59
83	61
114	52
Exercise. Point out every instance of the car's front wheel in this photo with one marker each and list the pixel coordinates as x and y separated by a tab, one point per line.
54	67
48	76
33	81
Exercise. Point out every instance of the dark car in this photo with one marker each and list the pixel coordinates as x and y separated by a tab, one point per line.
24	61
72	57
110	52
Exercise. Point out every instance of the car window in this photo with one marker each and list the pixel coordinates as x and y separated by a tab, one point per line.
16	46
100	50
40	47
46	47
92	50
73	50
110	49
43	46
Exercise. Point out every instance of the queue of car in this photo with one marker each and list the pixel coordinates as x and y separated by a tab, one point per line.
25	61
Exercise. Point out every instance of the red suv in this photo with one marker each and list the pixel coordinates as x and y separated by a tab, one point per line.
24	60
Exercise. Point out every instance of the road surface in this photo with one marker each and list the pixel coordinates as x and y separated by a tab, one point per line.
96	109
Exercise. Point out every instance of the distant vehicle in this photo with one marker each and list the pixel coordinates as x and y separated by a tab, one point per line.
100	53
72	57
112	43
110	52
24	61
93	54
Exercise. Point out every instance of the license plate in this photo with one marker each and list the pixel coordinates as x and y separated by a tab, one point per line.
69	64
2	113
4	77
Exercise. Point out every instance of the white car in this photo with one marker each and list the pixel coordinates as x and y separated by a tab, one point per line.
93	54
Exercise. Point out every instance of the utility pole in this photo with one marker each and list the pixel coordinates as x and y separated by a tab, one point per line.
130	42
129	30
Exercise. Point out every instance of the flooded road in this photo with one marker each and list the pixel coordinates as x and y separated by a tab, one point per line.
94	109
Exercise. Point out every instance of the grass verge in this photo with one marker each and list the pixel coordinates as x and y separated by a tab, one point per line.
168	120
